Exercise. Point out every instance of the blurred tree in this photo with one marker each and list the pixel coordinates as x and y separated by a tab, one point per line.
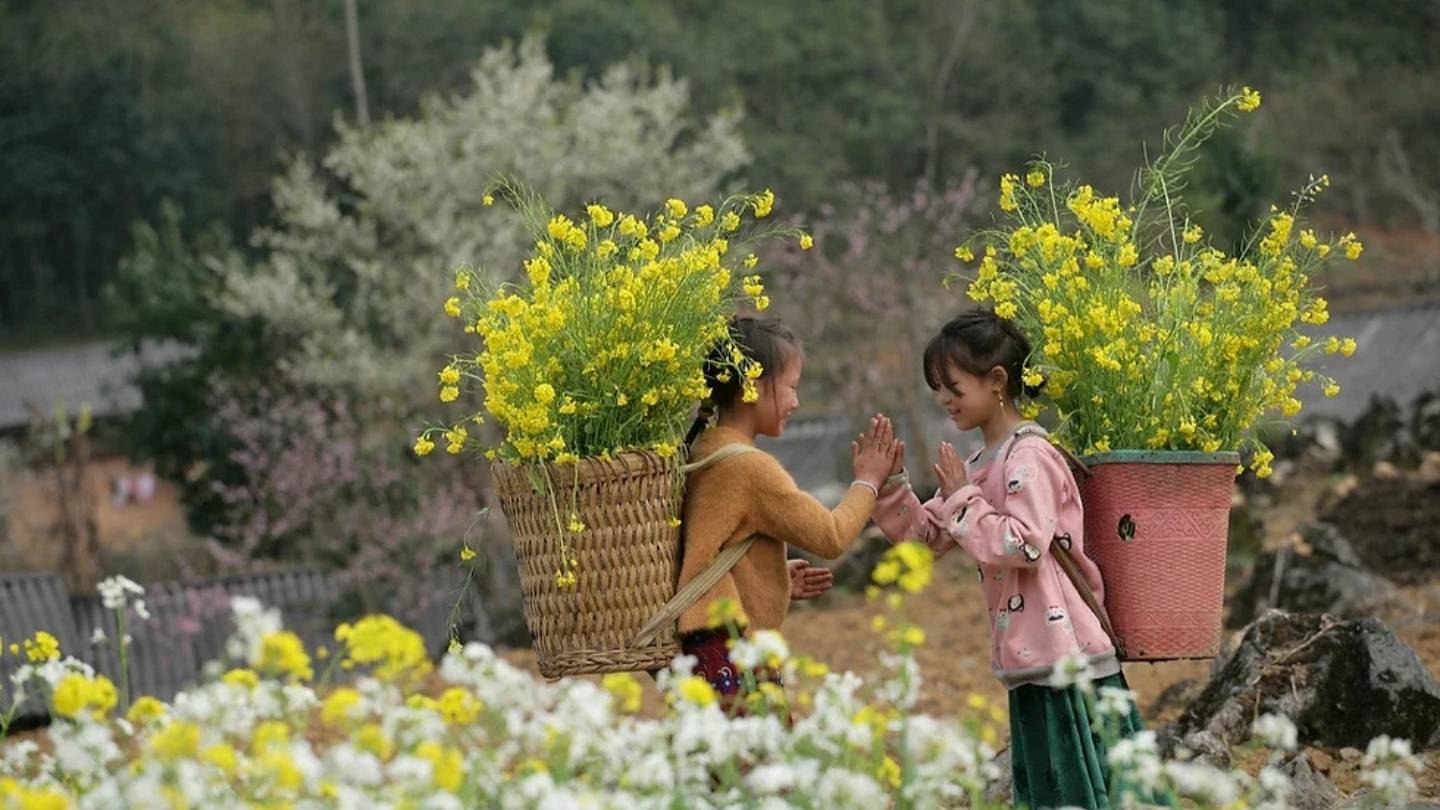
108	107
93	104
342	302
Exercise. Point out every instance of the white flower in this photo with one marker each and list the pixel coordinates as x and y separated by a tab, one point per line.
1072	670
1209	785
653	771
83	746
15	756
1138	758
1114	702
355	767
764	648
253	621
98	637
745	654
298	697
105	795
1274	786
1395	760
683	665
772	646
840	788
114	590
901	687
1384	750
442	801
411	769
1276	731
771	778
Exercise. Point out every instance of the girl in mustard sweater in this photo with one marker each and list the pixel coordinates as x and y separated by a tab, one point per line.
746	492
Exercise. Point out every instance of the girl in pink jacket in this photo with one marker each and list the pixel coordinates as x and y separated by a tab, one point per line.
1007	506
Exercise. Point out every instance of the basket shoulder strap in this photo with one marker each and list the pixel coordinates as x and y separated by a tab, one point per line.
1072	570
712	573
1067	561
726	451
693	590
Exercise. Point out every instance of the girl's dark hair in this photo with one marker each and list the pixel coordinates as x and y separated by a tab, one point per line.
975	342
764	340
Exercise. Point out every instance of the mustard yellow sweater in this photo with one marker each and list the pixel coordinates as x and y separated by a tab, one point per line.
752	494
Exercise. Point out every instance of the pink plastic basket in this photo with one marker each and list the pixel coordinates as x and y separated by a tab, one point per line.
1156	523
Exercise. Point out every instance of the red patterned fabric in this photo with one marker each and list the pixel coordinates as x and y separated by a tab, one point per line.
711	649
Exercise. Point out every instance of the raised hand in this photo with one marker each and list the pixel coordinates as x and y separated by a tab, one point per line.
899	463
950	471
809	581
873	454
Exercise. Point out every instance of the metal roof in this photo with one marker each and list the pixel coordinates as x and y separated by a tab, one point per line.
1398	357
93	374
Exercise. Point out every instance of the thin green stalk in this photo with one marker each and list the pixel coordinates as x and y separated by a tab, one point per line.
124	641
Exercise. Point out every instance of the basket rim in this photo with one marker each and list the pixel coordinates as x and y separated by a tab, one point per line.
1226	457
592	469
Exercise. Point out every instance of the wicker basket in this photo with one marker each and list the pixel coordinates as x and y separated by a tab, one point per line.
629	560
1156	523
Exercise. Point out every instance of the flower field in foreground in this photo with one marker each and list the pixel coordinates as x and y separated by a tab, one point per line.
275	730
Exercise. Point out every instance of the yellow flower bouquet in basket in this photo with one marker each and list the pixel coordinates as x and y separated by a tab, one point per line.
1159	354
590	368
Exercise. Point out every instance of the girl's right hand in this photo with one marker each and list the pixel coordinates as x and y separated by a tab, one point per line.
899	463
874	453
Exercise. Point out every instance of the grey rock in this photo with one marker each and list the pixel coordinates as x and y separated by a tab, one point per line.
1001	792
1309	789
1176	695
1343	683
1331	579
1394	525
1198	746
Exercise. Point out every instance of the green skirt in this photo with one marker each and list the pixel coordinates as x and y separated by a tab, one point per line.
1057	758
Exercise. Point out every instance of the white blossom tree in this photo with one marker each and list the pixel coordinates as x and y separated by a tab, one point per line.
363	252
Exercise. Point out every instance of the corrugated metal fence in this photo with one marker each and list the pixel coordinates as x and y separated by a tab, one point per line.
188	625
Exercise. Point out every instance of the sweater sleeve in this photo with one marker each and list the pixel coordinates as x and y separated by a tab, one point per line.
901	516
783	511
1017	532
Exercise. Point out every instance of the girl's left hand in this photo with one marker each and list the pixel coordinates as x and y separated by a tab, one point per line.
809	581
950	471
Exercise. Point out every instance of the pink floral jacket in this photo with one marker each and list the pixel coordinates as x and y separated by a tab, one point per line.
1020	499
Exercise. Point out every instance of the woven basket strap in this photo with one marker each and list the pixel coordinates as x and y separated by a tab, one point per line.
1072	570
694	589
718	567
727	451
1067	561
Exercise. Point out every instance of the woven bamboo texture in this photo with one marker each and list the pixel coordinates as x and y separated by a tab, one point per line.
628	560
1158	533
